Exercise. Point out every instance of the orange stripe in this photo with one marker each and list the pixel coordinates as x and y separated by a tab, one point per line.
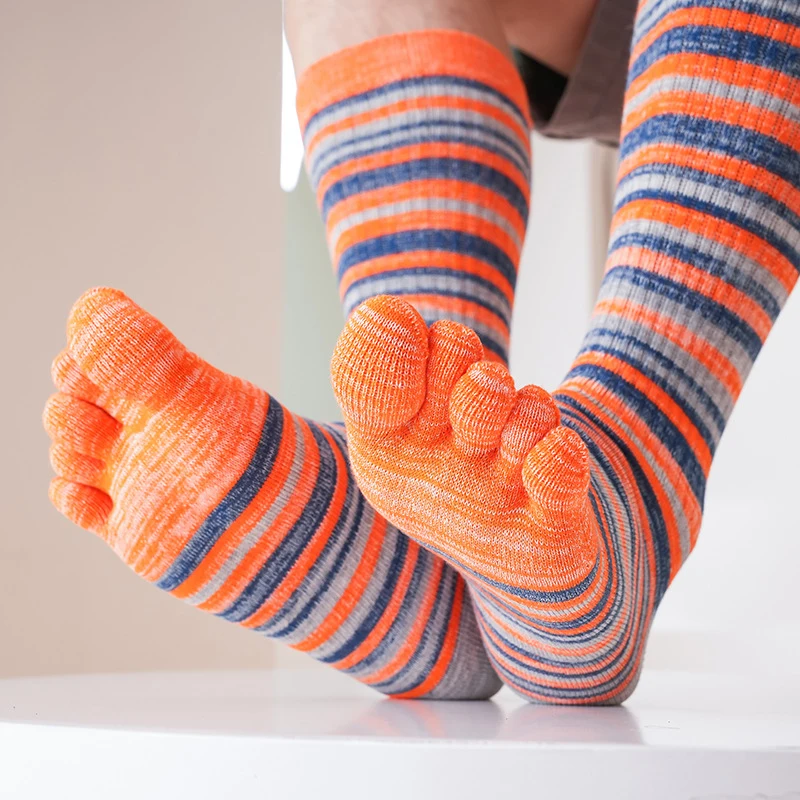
424	103
715	109
233	536
426	220
402	155
376	635
444	188
354	592
714	229
297	574
701	350
442	664
720	164
258	555
402	56
723	18
438	259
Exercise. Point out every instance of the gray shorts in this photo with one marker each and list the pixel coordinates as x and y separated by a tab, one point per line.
587	105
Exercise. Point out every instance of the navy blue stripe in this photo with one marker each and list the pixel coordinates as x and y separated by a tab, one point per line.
743	144
732	325
652	15
378	606
445	594
658	423
737	277
327	158
426	169
716	42
747	193
627	343
743	221
657	524
233	504
446	241
309	602
421	85
286	553
449	278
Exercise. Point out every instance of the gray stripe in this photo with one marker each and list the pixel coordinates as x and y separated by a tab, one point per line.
448	89
422	283
385	135
676	382
710	88
261	527
737	264
427	203
689	187
618	289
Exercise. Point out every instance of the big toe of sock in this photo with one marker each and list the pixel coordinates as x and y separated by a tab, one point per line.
379	365
125	350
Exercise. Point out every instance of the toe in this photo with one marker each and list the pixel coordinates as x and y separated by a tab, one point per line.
453	348
80	426
566	543
379	364
126	351
556	473
479	407
534	415
69	379
74	466
84	505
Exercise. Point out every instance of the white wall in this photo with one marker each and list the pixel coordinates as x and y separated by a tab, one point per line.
138	148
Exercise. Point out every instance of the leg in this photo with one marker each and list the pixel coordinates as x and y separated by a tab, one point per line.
267	527
570	516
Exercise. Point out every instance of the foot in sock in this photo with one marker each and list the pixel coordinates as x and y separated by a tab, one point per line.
209	488
570	533
490	479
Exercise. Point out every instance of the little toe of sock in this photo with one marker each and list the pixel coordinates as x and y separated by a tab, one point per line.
125	350
80	426
379	364
86	506
479	407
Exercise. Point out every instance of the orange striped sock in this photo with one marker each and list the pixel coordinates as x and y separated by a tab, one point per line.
570	516
209	488
418	147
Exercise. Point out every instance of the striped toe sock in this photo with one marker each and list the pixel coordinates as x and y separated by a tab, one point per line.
209	488
570	515
418	148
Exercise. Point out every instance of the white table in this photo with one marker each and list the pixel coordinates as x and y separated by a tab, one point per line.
313	734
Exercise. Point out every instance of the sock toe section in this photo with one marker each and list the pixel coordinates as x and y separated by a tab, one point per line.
80	426
479	407
86	506
534	415
556	472
76	467
453	348
125	350
379	364
69	379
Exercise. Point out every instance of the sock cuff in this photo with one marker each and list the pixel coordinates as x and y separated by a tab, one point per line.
373	64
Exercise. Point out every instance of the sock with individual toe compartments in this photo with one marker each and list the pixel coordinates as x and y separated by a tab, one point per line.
570	515
209	488
432	206
418	149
